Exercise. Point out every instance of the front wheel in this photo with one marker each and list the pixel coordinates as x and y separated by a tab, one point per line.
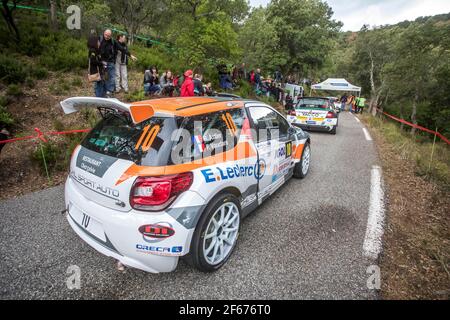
216	234
301	168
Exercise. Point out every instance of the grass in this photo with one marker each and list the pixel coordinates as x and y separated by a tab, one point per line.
6	119
433	164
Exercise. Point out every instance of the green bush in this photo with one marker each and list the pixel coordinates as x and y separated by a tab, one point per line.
30	83
39	72
63	53
156	56
137	95
77	82
3	101
59	88
52	154
14	90
11	70
6	119
245	90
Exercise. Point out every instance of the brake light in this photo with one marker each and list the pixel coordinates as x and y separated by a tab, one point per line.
156	193
292	113
331	115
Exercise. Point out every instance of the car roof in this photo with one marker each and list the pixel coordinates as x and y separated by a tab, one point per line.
325	98
182	106
143	110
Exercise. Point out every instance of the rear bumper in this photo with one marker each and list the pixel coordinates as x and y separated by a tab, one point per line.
313	127
116	234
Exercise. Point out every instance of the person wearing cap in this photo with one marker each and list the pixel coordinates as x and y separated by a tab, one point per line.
187	88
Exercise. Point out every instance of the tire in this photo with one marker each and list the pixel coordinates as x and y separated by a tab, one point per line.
198	257
300	171
334	130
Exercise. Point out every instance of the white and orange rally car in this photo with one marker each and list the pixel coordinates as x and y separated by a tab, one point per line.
160	179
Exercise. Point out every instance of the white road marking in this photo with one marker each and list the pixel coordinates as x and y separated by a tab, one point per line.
357	119
375	221
366	133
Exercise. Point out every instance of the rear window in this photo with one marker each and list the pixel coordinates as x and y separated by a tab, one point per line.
208	134
312	103
147	143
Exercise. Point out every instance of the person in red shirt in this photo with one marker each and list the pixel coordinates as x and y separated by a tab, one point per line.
187	88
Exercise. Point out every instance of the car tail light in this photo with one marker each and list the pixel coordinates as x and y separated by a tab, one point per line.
156	231
291	113
331	115
156	193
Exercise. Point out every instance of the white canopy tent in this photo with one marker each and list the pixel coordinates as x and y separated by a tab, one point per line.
332	84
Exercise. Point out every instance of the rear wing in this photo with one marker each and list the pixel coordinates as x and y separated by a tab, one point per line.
138	113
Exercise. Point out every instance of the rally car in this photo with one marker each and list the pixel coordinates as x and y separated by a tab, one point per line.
314	113
157	180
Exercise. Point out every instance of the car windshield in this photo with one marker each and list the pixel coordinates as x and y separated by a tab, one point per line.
146	143
312	103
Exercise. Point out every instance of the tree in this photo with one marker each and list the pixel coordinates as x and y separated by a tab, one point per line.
208	33
417	54
304	29
135	14
372	52
259	42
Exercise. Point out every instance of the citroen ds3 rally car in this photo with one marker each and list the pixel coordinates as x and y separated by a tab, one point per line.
314	113
157	180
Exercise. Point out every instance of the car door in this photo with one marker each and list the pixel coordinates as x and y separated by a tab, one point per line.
274	148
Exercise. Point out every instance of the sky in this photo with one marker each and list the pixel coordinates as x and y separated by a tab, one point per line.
355	13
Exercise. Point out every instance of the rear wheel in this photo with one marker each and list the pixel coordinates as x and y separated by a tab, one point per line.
301	168
334	130
216	234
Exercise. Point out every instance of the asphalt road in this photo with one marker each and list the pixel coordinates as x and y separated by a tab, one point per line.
305	242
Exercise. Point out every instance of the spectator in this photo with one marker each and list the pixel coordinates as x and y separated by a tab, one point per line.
251	78
258	79
166	83
108	51
4	135
208	89
242	72
151	81
289	103
343	102
187	88
289	79
360	104
351	102
122	63
198	85
235	74
278	77
96	66
178	82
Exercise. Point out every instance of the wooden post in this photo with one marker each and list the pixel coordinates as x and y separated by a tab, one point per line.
432	149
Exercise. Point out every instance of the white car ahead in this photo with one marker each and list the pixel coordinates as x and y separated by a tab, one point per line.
314	113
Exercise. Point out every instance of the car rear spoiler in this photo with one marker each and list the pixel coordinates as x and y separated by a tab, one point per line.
138	113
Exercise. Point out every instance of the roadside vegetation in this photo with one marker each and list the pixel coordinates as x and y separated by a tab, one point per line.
431	160
416	257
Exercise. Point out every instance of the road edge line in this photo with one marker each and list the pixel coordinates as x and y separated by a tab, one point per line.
367	134
375	221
